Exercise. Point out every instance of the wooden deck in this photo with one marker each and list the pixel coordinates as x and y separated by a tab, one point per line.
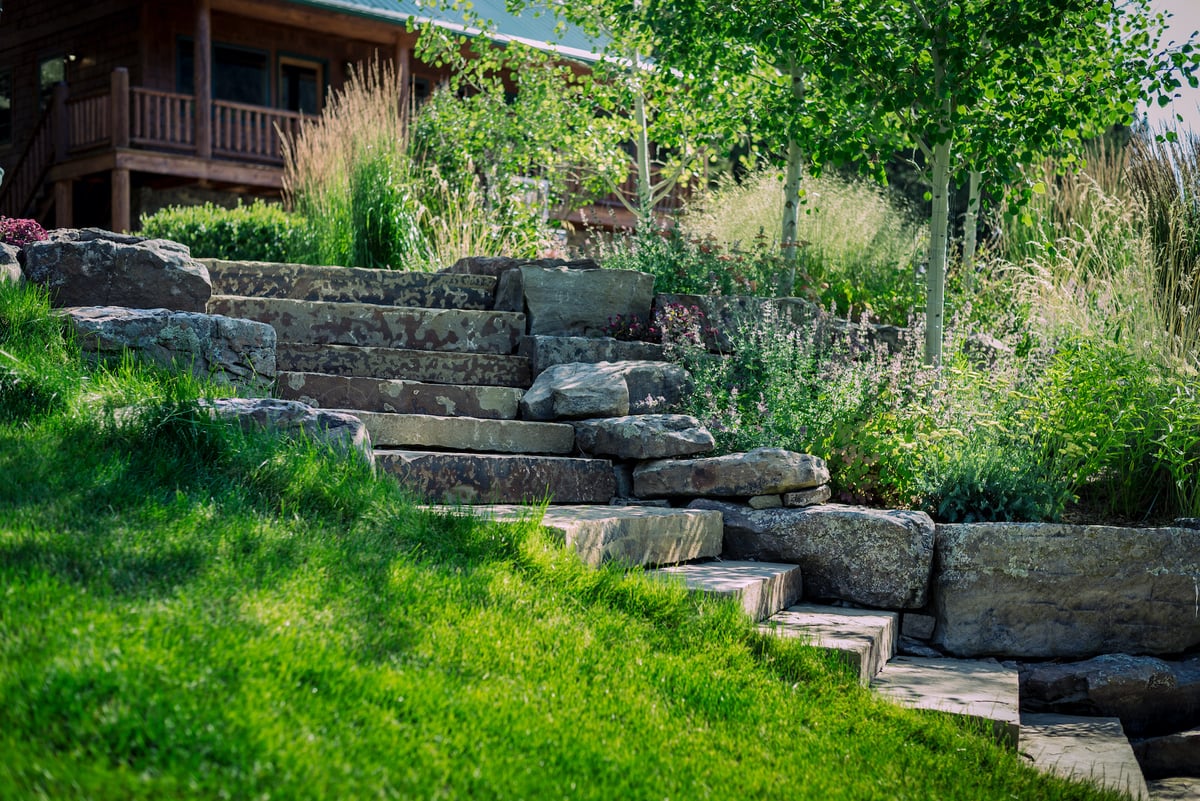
132	129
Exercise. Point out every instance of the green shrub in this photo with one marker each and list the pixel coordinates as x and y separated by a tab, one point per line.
258	232
696	266
986	478
1120	429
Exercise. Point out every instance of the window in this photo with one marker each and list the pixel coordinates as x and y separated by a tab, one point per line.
51	72
6	114
185	67
238	75
301	85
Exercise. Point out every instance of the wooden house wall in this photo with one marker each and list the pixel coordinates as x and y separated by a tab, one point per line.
101	34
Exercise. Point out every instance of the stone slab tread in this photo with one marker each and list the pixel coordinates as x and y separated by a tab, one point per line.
863	638
1083	748
367	324
351	285
430	366
466	433
981	690
629	535
398	396
762	588
472	478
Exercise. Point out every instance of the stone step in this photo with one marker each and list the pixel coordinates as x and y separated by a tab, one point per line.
430	366
1086	749
329	323
1176	788
983	691
466	433
864	638
545	351
631	535
398	397
761	588
472	478
258	279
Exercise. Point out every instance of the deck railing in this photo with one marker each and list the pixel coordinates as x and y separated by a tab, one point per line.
162	119
89	122
20	187
249	132
133	116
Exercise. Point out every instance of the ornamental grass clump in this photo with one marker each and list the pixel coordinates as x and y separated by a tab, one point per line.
373	196
1165	178
861	245
350	176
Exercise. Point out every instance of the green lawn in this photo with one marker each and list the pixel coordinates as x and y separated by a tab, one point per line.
186	612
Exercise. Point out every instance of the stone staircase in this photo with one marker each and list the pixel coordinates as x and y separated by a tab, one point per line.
437	376
984	692
430	368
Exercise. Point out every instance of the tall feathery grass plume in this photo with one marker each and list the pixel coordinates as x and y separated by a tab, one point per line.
350	175
1165	176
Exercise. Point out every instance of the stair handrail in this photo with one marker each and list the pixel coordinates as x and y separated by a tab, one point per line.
31	169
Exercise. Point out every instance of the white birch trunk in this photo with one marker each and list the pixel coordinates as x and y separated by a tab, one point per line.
645	190
790	233
935	276
970	229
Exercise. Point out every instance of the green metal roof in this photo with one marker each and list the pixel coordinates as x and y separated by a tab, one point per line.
541	30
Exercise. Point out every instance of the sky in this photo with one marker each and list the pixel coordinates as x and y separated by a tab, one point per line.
1186	19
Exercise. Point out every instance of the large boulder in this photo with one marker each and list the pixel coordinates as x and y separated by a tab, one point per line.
10	265
339	430
90	267
228	350
643	436
1048	590
1149	695
870	557
562	301
762	471
544	352
579	391
1176	754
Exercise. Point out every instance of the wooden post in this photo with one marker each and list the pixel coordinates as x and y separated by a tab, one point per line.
64	204
404	75
60	123
121	200
202	78
119	99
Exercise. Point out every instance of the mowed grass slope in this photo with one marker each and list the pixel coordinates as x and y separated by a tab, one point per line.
189	612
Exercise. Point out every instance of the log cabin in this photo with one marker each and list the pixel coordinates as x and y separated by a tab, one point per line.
113	108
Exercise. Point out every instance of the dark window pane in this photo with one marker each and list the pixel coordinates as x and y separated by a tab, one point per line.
239	76
185	67
300	88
